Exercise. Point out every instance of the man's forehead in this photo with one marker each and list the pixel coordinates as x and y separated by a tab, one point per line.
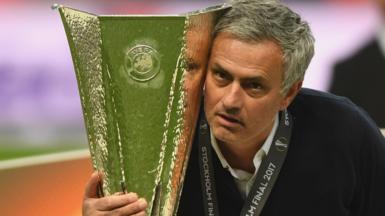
253	41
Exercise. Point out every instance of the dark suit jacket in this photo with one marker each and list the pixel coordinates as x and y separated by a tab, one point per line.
361	78
335	165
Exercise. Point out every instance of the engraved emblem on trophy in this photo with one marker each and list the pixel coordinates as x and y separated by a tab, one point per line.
142	62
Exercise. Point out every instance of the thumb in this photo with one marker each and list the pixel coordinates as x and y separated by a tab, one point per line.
91	190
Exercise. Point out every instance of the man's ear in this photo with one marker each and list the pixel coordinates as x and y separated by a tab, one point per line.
290	95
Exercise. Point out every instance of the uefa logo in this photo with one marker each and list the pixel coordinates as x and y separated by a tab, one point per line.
142	63
281	144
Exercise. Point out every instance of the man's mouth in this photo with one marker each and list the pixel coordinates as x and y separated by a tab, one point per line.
230	119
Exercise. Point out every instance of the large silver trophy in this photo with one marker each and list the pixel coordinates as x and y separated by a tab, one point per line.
140	80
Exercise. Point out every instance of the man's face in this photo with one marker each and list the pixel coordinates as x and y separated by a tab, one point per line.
242	89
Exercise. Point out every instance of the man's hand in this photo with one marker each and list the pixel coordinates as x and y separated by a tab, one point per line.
117	204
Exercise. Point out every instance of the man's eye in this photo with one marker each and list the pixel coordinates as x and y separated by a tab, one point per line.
253	88
220	75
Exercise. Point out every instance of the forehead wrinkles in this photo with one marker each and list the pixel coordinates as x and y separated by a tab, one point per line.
261	56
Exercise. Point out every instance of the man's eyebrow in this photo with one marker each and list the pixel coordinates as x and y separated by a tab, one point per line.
257	78
218	68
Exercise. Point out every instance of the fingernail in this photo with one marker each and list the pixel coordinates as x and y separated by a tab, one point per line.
132	196
142	203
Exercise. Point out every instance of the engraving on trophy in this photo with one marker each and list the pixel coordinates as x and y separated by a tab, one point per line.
142	63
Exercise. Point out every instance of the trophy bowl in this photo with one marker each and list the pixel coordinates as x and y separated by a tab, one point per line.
140	80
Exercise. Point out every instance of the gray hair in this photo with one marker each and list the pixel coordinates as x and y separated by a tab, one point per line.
258	20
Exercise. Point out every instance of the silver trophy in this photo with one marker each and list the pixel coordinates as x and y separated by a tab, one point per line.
140	80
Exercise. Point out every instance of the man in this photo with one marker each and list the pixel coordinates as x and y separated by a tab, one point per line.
361	77
271	148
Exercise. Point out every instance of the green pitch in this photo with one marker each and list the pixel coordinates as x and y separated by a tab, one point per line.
15	151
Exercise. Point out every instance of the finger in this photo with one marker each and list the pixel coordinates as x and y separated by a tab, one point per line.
112	202
118	193
91	190
142	213
133	208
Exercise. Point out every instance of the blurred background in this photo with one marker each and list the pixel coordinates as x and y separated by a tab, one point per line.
40	108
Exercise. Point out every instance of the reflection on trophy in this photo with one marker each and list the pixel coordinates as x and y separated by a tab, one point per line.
140	80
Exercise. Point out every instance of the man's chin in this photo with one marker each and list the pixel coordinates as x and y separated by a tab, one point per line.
223	134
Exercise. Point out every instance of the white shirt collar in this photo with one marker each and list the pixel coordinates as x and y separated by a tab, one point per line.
257	157
381	39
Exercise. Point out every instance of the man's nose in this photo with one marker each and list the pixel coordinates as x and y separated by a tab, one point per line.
232	100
